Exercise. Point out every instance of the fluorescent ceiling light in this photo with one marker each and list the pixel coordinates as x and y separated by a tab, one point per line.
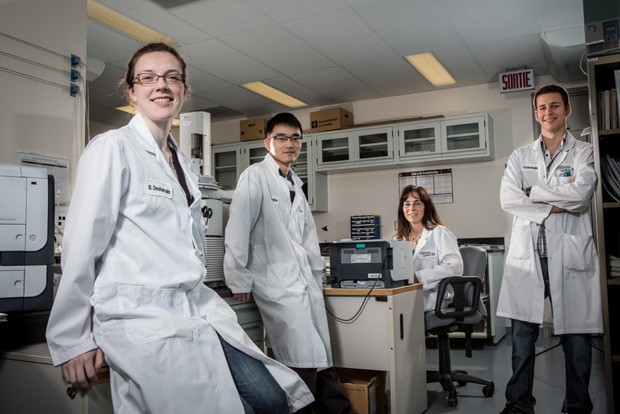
130	109
431	69
273	94
123	24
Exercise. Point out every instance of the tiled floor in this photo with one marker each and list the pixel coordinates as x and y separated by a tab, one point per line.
493	362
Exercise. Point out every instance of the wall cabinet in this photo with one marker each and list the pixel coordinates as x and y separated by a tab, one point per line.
458	138
355	147
467	137
606	208
419	141
228	161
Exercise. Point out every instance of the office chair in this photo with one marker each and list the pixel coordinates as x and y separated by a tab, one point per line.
462	314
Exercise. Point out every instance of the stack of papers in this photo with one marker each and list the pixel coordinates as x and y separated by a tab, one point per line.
613	266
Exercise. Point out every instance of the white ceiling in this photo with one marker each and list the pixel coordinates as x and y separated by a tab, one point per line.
327	52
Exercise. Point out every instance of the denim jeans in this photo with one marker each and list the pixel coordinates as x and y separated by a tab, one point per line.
577	361
258	389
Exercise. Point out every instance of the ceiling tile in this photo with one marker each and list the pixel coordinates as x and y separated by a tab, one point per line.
108	45
337	85
389	76
410	26
479	21
222	17
202	81
284	11
342	37
292	55
224	62
503	54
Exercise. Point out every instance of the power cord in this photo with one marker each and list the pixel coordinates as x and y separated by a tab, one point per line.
352	319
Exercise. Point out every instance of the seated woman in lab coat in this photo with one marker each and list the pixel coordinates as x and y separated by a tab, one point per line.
132	289
436	253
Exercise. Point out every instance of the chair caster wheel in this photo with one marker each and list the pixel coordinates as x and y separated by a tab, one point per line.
488	390
452	401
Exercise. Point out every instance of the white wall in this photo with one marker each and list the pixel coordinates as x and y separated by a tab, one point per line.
38	117
476	210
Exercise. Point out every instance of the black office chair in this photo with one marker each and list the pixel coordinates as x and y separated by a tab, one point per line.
465	311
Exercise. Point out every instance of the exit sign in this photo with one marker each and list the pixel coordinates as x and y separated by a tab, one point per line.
519	80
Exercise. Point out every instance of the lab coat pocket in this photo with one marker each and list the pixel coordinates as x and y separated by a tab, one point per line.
521	242
151	315
578	254
282	280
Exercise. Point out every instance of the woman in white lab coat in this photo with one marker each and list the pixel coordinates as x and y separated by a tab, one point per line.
132	289
436	252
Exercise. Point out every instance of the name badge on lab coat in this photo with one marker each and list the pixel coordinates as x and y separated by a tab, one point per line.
158	189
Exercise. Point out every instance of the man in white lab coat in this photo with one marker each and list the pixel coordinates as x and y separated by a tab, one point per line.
547	186
272	252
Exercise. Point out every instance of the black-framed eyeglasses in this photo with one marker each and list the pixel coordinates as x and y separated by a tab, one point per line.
282	138
152	78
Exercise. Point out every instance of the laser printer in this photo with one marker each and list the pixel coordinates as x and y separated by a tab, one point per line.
376	263
26	239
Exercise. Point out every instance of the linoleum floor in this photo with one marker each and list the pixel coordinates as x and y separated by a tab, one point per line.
494	362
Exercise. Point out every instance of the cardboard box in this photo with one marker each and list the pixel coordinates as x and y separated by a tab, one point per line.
252	129
365	390
330	119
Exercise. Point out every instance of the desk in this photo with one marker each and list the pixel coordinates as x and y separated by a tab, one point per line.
388	335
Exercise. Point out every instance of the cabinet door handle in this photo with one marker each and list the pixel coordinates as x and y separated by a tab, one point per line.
71	392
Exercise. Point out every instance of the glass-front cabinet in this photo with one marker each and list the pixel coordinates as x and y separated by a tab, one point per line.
464	135
254	152
228	161
375	144
355	147
335	149
419	141
226	165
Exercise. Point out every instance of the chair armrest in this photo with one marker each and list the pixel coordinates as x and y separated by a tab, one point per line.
460	302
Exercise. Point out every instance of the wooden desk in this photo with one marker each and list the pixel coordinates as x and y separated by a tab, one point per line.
387	335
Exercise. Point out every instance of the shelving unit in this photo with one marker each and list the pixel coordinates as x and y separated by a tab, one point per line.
606	219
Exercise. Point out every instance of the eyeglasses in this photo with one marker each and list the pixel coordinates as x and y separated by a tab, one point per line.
153	78
415	204
282	138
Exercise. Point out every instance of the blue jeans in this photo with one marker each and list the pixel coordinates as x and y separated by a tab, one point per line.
258	389
577	361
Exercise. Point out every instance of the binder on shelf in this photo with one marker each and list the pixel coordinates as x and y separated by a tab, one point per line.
617	89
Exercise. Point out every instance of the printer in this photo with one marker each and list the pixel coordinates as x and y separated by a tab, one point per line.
376	263
26	239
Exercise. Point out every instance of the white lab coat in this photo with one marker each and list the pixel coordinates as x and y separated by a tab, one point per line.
131	251
272	251
436	257
572	259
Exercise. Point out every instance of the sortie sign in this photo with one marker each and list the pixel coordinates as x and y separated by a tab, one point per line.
518	80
